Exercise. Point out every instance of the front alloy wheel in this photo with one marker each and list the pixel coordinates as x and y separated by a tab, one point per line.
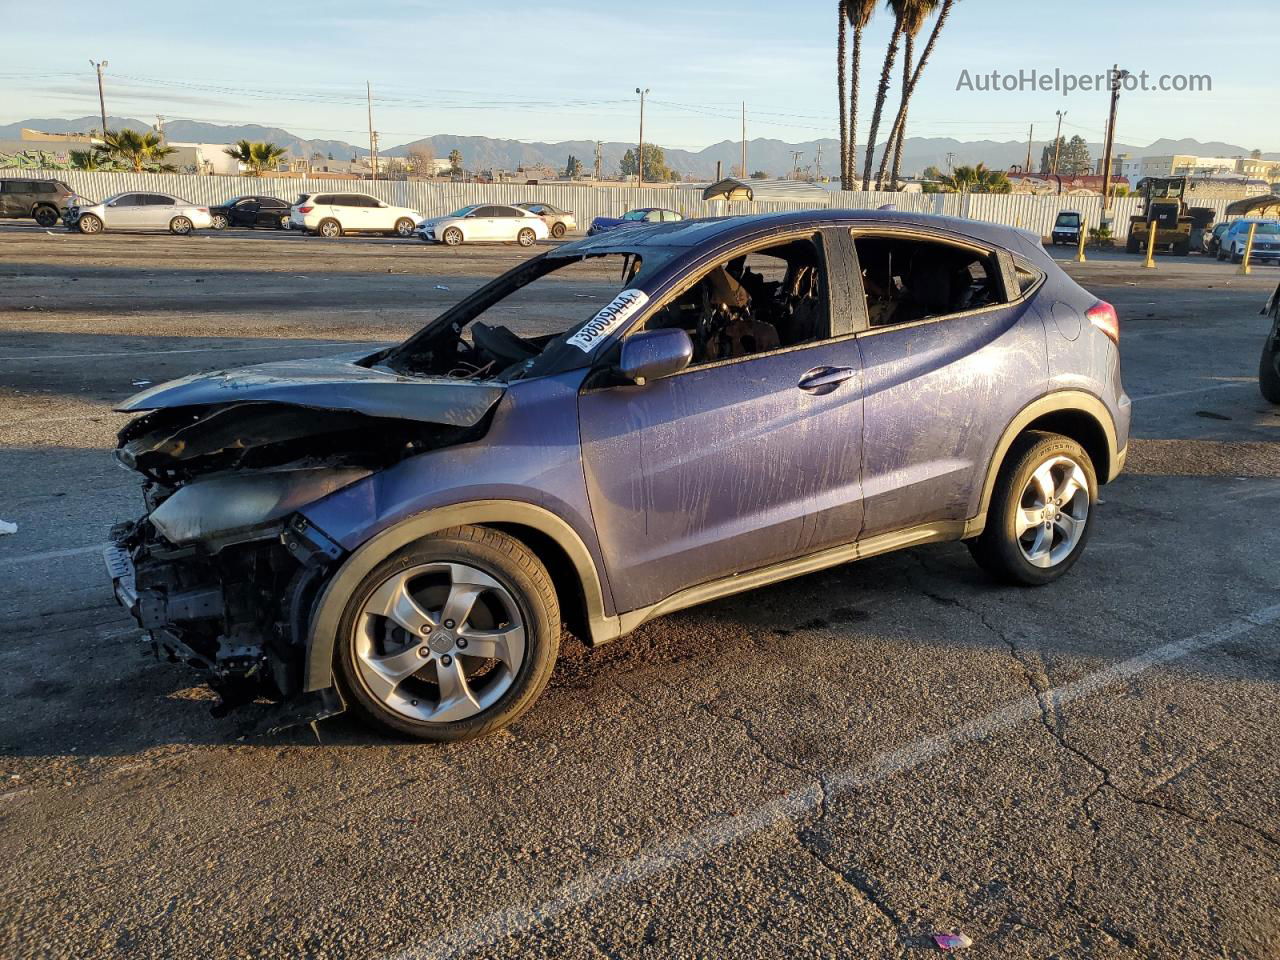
219	221
451	639
1040	516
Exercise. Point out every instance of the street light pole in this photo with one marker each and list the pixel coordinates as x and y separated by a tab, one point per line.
640	149
1057	141
102	103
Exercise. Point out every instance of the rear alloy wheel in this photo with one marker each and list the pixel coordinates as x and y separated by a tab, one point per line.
452	237
526	237
180	226
558	230
46	216
452	638
219	221
404	227
88	223
282	223
329	229
1039	517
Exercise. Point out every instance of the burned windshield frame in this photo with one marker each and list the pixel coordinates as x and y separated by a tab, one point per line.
553	357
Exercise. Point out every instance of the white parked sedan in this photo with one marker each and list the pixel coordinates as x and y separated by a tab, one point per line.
333	214
485	223
139	211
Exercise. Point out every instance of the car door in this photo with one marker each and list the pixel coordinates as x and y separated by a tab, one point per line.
945	371
128	211
488	226
157	210
377	216
245	213
509	222
271	212
727	466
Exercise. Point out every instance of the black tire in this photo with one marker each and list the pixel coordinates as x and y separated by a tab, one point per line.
180	226
1222	254
220	221
1182	248
558	230
452	237
526	237
1237	257
1131	245
88	223
1268	374
997	549
46	216
525	579
404	227
329	228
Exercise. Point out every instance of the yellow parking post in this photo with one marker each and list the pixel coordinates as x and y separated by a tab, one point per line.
1151	247
1084	231
1248	251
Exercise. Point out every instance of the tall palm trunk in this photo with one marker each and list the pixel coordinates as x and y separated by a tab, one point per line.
900	122
895	134
854	73
882	92
841	58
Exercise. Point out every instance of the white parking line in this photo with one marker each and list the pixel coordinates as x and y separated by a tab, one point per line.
143	354
52	555
614	879
1183	393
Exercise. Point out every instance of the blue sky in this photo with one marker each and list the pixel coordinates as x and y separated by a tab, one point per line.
560	71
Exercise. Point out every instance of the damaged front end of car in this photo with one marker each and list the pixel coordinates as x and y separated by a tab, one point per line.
221	570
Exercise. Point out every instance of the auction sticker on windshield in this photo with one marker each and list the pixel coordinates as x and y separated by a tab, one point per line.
609	319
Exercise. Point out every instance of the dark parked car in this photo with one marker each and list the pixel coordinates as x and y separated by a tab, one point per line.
403	532
1269	365
1213	239
44	201
251	212
645	215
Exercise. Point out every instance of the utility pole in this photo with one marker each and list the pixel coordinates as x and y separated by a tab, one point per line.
1030	133
744	139
951	158
1117	75
599	162
640	151
373	145
160	126
102	103
1057	141
818	162
795	164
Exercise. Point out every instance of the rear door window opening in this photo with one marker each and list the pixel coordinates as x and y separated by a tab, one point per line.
906	278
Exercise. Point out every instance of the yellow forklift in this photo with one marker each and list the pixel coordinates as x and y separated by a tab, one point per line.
1163	204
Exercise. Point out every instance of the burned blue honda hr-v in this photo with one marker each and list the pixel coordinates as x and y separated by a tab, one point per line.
616	429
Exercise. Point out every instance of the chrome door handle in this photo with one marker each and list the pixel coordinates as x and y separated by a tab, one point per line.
822	380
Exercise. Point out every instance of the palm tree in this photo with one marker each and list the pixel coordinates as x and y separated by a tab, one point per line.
842	11
891	55
900	122
138	151
256	156
94	159
915	14
860	13
979	179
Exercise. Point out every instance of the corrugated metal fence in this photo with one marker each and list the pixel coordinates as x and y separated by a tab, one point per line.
1034	213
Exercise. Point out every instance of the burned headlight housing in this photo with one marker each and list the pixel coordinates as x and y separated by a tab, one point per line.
231	503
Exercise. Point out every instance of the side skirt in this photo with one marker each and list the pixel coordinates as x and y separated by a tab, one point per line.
798	567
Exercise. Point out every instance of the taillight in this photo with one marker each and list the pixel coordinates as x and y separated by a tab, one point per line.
1103	316
305	209
203	209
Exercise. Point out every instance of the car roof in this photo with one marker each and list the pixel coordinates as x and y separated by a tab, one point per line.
727	230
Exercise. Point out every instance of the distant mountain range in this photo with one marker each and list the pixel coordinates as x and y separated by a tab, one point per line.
772	156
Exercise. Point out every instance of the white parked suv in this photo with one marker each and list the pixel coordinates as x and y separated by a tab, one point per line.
333	214
139	211
485	222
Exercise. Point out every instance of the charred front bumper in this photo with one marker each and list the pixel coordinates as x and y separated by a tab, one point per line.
236	610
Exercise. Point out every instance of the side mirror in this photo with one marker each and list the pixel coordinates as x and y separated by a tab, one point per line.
653	354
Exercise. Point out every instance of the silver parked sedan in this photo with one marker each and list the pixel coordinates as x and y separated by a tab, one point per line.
558	221
139	211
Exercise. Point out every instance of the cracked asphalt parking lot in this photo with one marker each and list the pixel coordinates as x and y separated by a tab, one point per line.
837	766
